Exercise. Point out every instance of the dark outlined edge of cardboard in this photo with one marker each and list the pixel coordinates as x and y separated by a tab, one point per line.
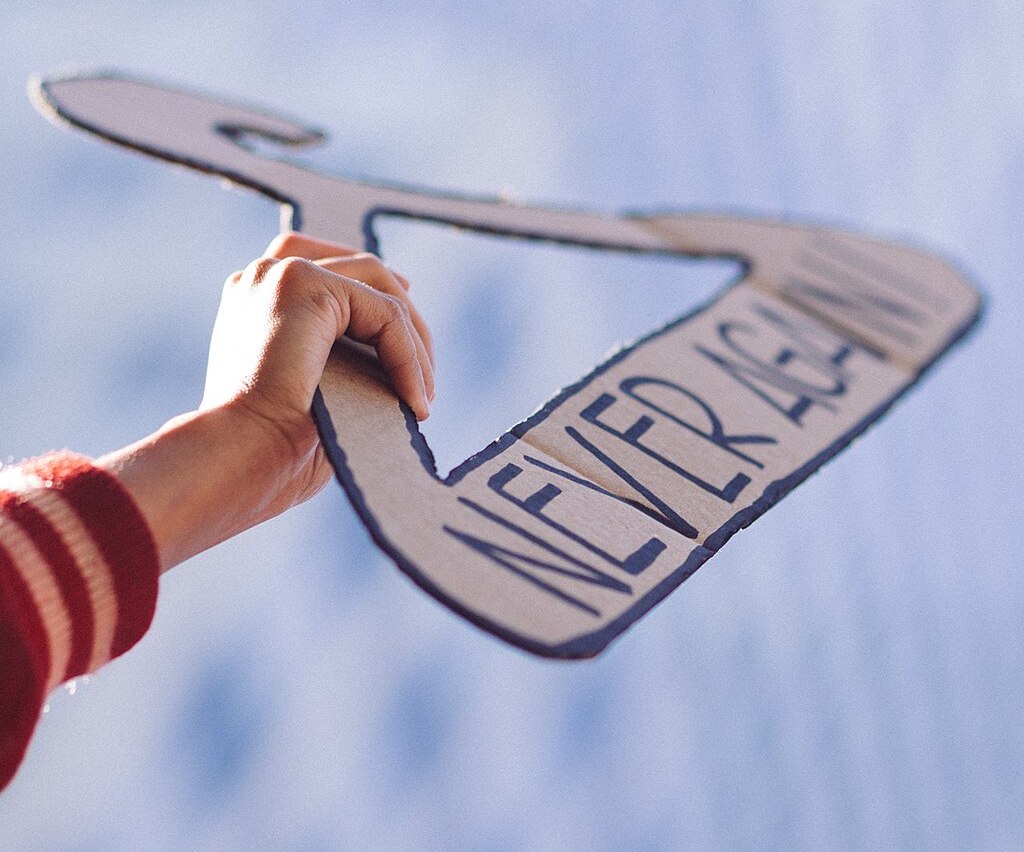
39	94
588	644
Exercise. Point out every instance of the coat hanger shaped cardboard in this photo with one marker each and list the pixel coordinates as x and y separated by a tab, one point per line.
569	527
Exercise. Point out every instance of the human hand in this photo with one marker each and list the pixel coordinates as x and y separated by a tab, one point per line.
252	451
279	318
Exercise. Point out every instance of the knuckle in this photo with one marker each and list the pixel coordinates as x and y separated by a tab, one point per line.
401	356
288	243
396	310
257	271
291	271
370	260
326	306
288	283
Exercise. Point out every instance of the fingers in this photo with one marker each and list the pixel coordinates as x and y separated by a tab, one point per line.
371	270
383	321
300	290
255	272
294	244
352	263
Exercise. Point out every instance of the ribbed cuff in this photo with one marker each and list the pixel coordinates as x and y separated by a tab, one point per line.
79	571
120	533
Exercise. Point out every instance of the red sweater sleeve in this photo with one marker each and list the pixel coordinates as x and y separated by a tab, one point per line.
78	584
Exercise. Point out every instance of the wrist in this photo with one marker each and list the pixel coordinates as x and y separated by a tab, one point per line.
285	442
208	475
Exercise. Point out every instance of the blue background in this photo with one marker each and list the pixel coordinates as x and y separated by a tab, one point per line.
847	674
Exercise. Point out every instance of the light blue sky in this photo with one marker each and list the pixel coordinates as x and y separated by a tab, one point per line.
847	674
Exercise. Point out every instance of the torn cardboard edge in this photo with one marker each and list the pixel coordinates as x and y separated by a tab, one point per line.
574	523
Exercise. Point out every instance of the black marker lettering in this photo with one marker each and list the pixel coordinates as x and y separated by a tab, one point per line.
634	564
529	568
592	413
663	512
850	295
716	435
761	376
817	342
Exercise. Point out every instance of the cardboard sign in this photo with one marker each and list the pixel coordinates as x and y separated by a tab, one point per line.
579	519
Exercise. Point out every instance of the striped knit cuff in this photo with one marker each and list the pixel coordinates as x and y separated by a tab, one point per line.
24	667
78	583
84	554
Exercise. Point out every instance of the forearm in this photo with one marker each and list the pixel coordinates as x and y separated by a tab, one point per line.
208	475
82	544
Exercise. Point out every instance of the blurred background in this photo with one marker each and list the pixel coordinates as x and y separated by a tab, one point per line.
846	674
